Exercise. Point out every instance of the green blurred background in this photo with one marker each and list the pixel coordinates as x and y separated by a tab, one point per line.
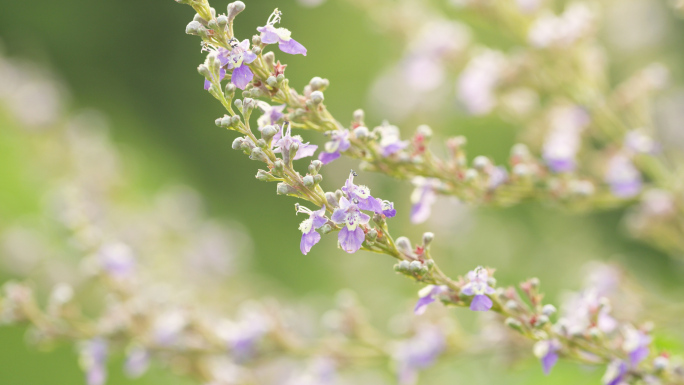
132	60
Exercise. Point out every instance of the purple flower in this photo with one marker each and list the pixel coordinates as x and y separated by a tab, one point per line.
271	115
479	287
271	35
361	195
580	311
563	140
615	373
547	352
389	139
116	259
497	176
423	197
208	82
339	142
93	360
388	208
237	60
478	81
419	352
428	295
287	140
638	142
308	228
636	345
137	362
351	235
624	179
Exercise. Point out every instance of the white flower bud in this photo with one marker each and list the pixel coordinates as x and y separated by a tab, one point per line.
361	132
548	310
359	116
234	9
308	181
481	162
317	97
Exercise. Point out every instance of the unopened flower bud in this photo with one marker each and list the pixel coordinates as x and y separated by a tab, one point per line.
404	245
520	151
425	131
315	167
285	189
534	282
521	170
325	229
261	143
470	175
256	50
330	197
256	40
268	132
222	21
198	18
511	305
258	154
265	176
359	116
247	146
480	162
235	121
402	267
234	8
238	104
428	238
280	78
318	178
203	70
338	194
514	324
194	27
318	84
541	321
661	363
269	58
308	181
548	310
237	143
361	132
213	24
415	266
272	81
317	97
372	235
248	104
278	166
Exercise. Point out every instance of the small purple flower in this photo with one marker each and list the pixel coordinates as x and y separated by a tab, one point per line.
547	352
271	35
636	345
116	259
479	287
237	60
389	139
615	373
351	235
208	82
361	195
423	197
308	227
624	179
339	142
563	140
638	142
428	295
478	81
287	140
419	352
497	176
137	362
93	359
271	115
388	208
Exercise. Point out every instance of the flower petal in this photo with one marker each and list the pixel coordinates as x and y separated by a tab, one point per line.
548	361
327	157
351	240
481	303
305	150
308	241
268	34
242	75
292	47
422	304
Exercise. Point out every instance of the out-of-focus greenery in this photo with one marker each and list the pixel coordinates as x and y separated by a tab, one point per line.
132	60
